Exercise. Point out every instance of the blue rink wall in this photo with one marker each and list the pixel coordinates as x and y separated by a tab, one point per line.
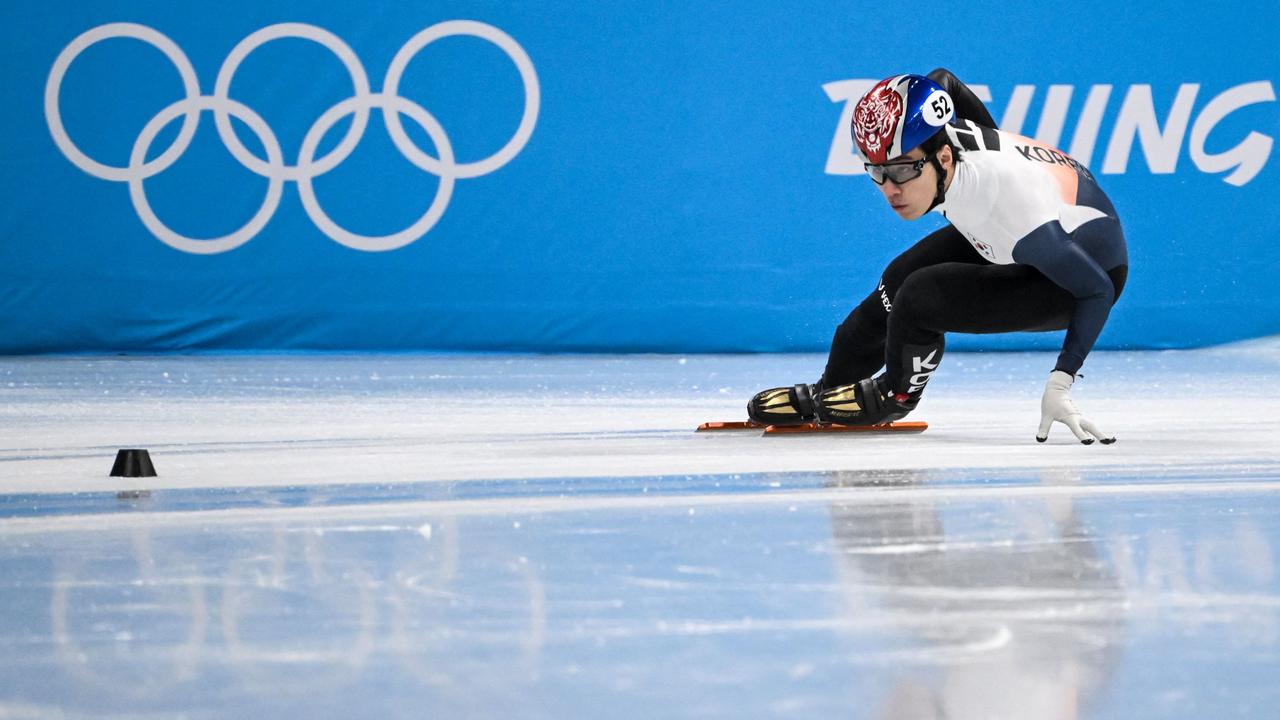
625	177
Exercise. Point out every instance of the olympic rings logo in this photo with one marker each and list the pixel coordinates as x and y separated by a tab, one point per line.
308	166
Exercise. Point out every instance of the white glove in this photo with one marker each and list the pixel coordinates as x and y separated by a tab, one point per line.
1056	405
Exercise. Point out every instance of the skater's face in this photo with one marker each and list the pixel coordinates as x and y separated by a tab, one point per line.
911	199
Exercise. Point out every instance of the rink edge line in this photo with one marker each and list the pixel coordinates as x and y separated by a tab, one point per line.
543	505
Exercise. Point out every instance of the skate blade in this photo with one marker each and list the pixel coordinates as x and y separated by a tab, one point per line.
811	428
816	428
738	425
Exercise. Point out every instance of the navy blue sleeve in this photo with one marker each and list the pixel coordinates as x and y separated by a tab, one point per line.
1051	250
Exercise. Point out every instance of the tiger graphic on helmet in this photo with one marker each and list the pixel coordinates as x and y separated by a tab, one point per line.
875	120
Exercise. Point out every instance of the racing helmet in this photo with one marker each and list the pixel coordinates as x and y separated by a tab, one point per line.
899	114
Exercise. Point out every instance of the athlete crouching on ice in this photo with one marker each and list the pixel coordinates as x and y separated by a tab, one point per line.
1033	244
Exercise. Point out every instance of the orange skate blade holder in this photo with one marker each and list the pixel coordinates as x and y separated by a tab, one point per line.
814	428
735	425
817	428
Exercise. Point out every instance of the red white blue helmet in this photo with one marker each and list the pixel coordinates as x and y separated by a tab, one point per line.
899	114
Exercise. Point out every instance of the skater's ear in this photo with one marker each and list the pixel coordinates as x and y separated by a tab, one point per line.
946	157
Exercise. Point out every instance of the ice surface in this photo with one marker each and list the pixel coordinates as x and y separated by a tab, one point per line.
545	537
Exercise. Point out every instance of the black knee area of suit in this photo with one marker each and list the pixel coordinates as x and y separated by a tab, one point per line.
917	297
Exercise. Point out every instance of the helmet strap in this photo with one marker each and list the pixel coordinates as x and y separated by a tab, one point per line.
941	196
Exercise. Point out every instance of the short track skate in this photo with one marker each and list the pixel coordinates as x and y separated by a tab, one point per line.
813	428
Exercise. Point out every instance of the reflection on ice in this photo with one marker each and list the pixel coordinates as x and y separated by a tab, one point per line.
1024	619
846	593
278	614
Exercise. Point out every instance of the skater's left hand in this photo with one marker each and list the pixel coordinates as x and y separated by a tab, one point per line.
1056	406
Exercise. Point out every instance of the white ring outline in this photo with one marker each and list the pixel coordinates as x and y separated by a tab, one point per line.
53	86
391	105
279	31
307	168
528	77
275	180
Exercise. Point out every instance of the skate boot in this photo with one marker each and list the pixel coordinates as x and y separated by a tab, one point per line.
783	406
867	402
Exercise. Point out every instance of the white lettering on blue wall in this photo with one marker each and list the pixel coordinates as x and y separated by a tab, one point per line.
1160	132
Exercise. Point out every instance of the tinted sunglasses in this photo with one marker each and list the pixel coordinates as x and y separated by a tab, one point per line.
899	172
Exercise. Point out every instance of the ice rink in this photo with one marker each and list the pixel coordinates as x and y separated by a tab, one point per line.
460	536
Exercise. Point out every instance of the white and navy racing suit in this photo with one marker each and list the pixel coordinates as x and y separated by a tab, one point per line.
1033	244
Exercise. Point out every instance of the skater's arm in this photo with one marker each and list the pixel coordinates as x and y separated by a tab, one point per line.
968	106
1050	250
